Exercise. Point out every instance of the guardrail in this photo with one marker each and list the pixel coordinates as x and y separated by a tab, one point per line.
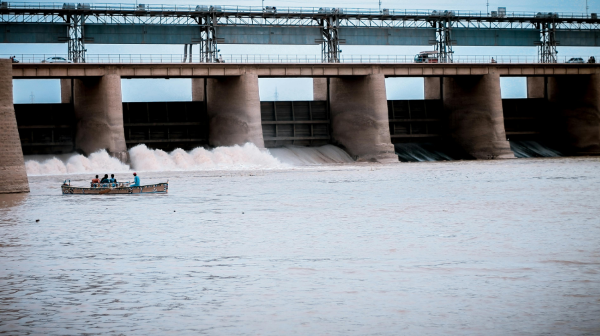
282	10
250	58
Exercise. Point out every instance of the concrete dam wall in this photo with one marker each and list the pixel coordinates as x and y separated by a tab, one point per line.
51	128
463	110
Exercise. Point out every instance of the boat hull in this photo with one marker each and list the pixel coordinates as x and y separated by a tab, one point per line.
159	188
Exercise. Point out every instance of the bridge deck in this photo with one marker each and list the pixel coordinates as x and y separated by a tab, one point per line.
188	70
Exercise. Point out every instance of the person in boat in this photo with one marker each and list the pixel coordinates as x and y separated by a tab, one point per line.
136	181
96	180
112	180
104	179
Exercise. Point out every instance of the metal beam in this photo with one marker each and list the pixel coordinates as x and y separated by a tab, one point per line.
76	43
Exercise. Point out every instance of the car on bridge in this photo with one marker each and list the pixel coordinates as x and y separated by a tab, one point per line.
56	59
575	60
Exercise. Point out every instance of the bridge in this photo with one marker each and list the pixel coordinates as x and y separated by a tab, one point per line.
209	26
202	70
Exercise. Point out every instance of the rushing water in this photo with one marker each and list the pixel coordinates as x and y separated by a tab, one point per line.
526	149
271	246
443	151
220	158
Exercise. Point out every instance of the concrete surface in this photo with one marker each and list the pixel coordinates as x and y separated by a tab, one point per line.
432	88
476	121
576	103
13	176
99	115
359	118
234	111
535	87
197	89
319	88
65	90
187	70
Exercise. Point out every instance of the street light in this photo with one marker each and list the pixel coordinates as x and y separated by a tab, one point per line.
586	7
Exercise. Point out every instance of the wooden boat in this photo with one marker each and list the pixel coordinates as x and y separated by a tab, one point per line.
114	188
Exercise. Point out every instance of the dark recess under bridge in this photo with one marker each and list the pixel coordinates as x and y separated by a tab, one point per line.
50	128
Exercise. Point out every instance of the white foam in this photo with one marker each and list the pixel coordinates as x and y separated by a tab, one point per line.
143	158
236	157
96	163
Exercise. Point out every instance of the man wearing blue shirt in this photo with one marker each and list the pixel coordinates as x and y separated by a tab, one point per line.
136	181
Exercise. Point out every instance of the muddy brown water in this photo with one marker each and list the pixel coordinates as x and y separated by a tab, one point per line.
434	248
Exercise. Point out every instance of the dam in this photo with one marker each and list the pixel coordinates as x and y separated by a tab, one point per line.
462	106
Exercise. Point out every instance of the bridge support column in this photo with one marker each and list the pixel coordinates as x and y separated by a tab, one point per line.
233	105
65	90
432	88
13	176
197	89
99	113
476	121
359	117
576	102
536	87
320	89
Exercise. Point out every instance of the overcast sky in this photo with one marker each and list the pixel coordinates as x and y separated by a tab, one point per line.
300	89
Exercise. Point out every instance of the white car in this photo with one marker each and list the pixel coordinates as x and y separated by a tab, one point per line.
575	60
56	60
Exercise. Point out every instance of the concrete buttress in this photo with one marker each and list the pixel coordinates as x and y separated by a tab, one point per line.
432	88
197	89
99	113
233	109
319	89
475	116
359	117
13	176
576	102
535	87
65	90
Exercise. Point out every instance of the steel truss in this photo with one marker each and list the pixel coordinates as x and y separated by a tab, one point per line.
76	43
443	41
329	20
330	47
547	47
209	51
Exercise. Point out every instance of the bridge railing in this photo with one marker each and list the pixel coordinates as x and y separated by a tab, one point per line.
165	8
269	58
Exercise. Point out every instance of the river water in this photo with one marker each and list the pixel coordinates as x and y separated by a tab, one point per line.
273	246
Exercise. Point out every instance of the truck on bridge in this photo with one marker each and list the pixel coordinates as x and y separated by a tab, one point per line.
427	57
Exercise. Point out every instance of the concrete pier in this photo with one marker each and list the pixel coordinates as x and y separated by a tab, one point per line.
319	88
535	87
99	115
359	118
476	121
234	111
576	103
13	176
432	88
197	89
65	90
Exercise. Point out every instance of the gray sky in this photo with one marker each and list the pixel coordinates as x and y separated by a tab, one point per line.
300	89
